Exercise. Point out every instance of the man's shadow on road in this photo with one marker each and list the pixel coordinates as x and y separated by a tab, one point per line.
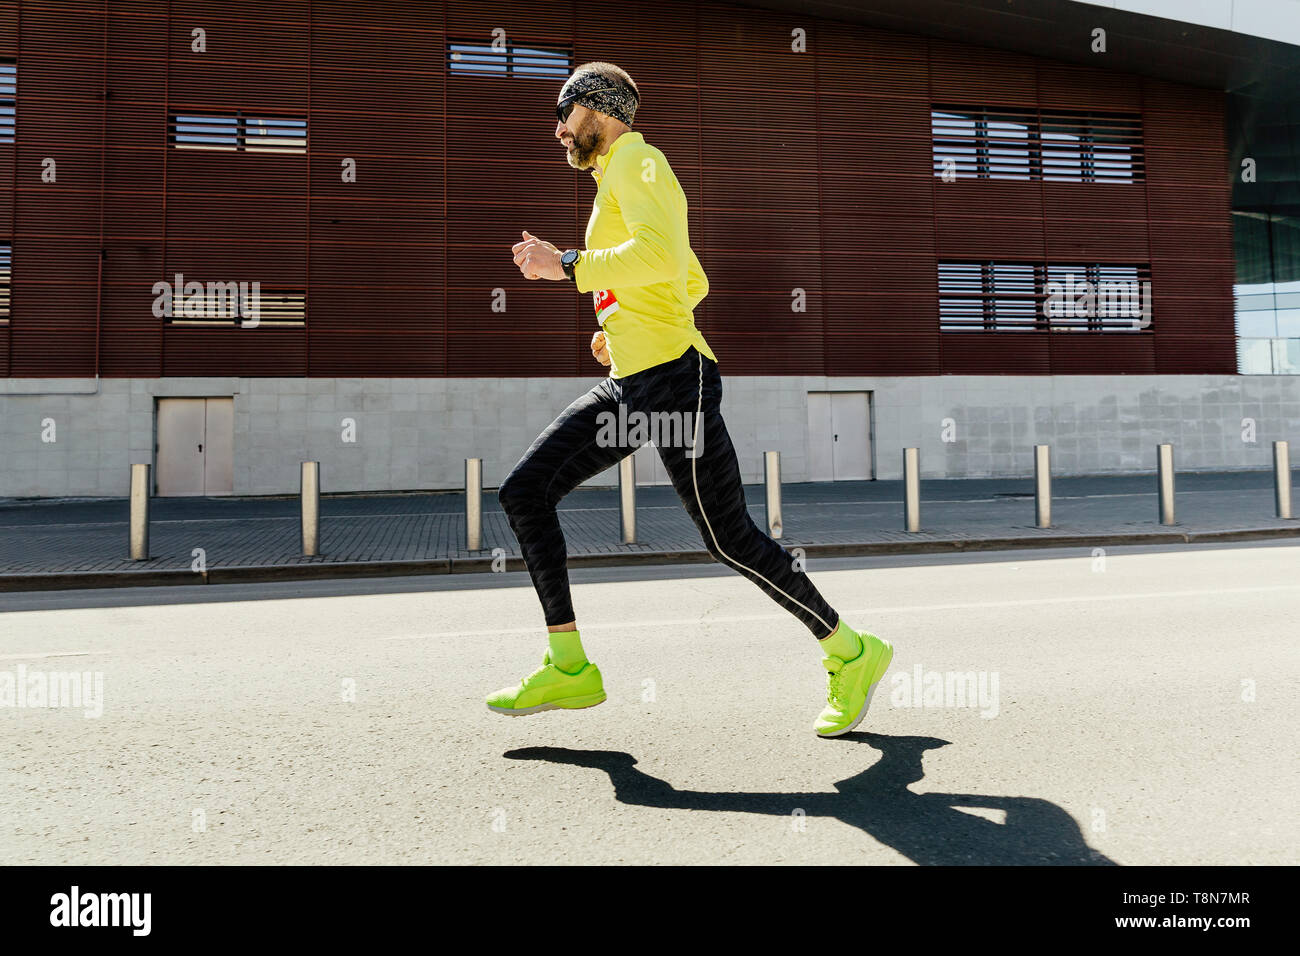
925	827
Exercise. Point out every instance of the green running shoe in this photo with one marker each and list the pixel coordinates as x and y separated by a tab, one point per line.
549	688
850	685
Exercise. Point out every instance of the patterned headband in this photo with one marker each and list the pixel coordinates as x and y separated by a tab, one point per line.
599	93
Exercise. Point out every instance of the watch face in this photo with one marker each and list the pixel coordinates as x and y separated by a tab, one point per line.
570	257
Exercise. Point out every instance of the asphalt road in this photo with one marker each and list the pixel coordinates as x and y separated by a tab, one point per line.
1136	711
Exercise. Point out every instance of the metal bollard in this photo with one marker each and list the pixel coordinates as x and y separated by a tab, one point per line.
473	504
627	498
1282	478
772	479
309	493
912	489
1043	485
139	535
1165	477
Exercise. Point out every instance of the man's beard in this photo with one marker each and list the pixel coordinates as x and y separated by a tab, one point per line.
586	145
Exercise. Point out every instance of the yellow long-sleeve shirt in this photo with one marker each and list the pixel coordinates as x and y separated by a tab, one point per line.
644	277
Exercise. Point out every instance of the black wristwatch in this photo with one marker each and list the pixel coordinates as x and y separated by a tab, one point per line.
568	261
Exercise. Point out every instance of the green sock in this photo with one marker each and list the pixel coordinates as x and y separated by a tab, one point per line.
566	650
843	643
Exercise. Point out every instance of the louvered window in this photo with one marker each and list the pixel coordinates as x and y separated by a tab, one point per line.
6	280
1037	297
8	99
1049	144
468	58
227	304
239	131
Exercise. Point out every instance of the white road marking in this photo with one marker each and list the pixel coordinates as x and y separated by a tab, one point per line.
898	609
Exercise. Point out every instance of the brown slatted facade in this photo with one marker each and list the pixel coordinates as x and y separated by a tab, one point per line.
803	170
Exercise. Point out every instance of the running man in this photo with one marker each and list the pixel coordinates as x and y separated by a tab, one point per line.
645	283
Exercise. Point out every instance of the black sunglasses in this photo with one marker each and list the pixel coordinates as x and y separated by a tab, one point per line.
562	110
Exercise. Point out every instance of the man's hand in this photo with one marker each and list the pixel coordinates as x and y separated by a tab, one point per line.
600	348
538	259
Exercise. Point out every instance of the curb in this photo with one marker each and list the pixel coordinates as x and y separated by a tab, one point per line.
58	581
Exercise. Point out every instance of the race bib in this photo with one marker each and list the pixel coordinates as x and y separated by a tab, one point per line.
606	304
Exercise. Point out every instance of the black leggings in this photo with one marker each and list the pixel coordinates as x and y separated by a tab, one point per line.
581	443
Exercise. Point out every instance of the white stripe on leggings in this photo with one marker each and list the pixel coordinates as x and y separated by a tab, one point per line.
699	405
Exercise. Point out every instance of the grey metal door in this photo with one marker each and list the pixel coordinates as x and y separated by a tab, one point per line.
850	436
839	436
195	449
219	447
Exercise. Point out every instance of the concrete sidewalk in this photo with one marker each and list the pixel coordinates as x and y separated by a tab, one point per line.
75	543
